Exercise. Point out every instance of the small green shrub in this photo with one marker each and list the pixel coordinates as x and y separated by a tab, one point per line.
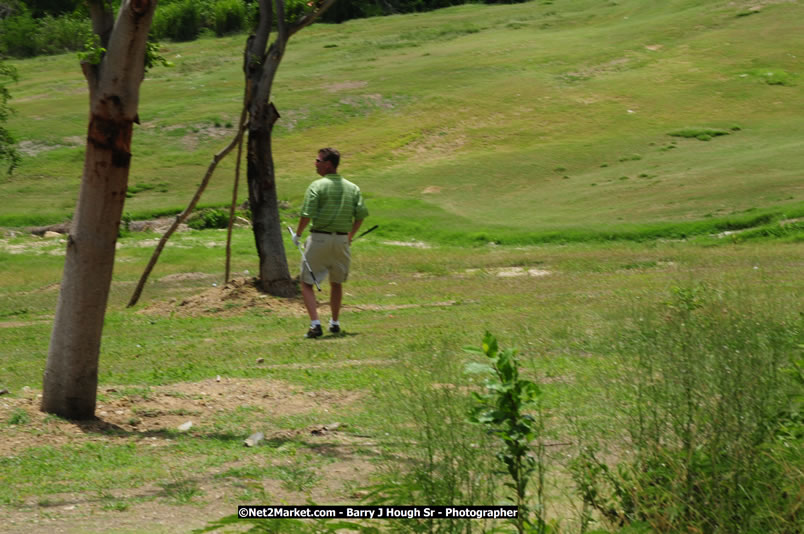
56	35
182	491
777	77
19	417
299	475
8	151
22	35
179	21
702	134
18	35
92	52
138	188
229	16
504	410
209	218
125	225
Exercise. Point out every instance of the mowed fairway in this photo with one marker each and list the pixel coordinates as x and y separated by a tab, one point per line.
557	173
562	112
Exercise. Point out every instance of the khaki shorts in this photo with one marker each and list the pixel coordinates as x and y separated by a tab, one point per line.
326	254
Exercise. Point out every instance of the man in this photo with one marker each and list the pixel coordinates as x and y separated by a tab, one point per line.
336	209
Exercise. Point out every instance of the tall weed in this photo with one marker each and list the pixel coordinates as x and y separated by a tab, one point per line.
707	402
446	459
507	410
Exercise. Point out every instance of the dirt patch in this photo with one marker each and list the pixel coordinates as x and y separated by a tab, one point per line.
160	225
35	247
229	299
368	102
149	416
431	190
34	148
343	86
330	365
757	5
182	277
15	324
592	71
411	244
130	412
393	307
243	294
443	143
510	272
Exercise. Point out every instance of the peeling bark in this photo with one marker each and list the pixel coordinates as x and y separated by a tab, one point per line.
71	374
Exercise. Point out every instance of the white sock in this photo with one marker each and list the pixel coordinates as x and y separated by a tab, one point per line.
334	323
315	323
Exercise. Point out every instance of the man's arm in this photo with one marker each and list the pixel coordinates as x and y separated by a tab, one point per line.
303	222
355	228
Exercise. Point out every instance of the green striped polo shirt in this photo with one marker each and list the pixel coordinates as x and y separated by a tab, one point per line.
333	203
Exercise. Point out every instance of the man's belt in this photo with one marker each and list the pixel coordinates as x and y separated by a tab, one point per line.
329	233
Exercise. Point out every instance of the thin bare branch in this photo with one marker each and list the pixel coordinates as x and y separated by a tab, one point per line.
232	211
310	18
102	19
256	49
243	118
183	215
281	24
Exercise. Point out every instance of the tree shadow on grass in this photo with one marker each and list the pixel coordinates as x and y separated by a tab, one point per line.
105	428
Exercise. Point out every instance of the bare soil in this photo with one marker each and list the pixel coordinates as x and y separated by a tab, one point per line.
225	300
241	294
143	415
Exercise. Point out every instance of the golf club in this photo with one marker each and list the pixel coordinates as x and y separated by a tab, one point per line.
304	259
367	231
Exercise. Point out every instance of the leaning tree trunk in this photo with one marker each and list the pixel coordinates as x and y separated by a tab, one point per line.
263	201
261	64
71	375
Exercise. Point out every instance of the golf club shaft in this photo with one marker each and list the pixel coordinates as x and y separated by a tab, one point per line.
304	260
367	231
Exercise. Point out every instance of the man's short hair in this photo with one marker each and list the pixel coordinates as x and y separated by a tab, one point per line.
331	155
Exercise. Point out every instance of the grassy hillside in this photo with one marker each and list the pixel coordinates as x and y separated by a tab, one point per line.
669	370
515	120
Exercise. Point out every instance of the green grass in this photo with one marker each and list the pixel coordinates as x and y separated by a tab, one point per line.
507	170
412	106
566	324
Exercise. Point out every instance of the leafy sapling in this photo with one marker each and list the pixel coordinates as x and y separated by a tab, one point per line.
504	410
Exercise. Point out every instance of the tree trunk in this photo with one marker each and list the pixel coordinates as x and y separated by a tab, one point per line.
260	68
263	201
71	375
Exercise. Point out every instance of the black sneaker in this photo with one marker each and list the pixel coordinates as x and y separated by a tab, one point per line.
314	332
335	329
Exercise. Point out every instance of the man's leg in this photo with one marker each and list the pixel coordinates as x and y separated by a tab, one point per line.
309	300
335	299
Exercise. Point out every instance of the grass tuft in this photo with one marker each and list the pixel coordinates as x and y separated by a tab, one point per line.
701	134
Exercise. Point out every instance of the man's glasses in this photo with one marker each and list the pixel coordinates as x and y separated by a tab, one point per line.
319	160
